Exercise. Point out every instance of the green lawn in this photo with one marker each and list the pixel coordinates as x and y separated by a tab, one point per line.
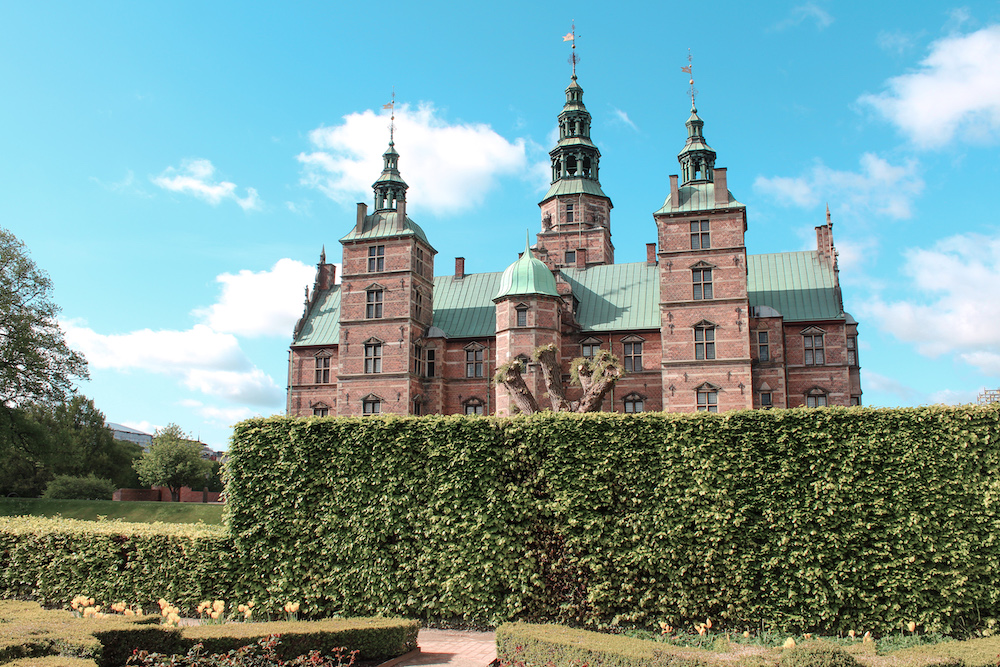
91	510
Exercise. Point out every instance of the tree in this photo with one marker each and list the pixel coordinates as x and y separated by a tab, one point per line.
36	365
596	376
173	460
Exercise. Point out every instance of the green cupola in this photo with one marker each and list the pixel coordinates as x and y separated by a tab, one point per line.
527	276
575	159
390	188
697	158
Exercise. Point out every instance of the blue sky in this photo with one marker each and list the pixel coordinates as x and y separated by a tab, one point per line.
177	167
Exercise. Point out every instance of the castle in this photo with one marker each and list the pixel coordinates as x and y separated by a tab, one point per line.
700	325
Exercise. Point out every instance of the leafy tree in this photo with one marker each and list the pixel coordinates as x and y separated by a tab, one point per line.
173	460
596	376
36	365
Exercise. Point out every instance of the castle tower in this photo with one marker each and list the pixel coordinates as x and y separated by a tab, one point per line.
386	304
704	308
576	214
528	316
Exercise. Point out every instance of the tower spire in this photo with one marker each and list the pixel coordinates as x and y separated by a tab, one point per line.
390	188
571	37
697	158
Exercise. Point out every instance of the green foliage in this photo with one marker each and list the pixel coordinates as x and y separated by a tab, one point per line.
601	364
817	654
831	520
68	487
54	560
264	653
131	511
173	461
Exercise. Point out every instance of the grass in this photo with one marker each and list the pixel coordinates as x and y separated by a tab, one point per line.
93	510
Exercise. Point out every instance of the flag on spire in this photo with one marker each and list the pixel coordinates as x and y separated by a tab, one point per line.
686	69
569	37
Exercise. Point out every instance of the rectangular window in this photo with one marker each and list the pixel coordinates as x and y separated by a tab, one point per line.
522	317
418	360
590	350
376	258
417	410
474	408
816	401
852	351
571	256
700	236
430	362
321	412
855	400
633	405
763	348
373	357
701	279
814	355
418	305
569	213
373	309
371	406
418	263
704	343
322	370
765	399
708	401
633	357
474	363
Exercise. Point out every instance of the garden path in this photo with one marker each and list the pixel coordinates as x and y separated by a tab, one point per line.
453	648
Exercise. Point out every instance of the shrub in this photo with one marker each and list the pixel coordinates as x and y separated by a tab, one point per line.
68	487
817	654
264	653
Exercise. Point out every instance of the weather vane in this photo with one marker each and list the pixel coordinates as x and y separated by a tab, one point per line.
391	106
692	91
571	37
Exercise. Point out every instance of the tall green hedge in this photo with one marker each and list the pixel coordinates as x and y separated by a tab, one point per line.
831	519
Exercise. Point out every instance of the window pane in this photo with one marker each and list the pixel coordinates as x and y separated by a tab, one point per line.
710	350
819	358
697	291
809	358
764	354
708	290
762	337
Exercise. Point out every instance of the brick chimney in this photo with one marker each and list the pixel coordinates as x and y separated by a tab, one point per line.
675	195
459	268
362	212
721	189
824	241
651	254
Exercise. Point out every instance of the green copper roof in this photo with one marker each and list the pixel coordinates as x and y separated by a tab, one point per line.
382	224
464	308
616	297
574	186
528	275
697	197
799	285
322	326
612	297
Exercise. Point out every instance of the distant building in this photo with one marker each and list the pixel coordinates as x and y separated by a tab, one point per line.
700	325
122	432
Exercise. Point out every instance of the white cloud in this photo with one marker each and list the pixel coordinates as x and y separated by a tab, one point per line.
623	117
875	382
878	187
194	177
954	397
261	303
449	167
808	11
254	386
144	426
223	416
953	309
895	42
954	92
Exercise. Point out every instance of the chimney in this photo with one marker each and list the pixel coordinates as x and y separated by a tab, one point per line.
651	254
459	268
581	258
721	189
400	214
362	212
675	195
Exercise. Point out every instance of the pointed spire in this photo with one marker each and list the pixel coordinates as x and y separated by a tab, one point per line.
527	243
390	188
322	255
829	222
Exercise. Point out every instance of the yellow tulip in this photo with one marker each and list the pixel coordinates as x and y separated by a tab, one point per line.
911	626
789	643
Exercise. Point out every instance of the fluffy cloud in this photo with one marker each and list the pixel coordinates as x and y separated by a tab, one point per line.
261	303
954	92
881	384
449	167
623	118
808	11
953	310
879	187
194	177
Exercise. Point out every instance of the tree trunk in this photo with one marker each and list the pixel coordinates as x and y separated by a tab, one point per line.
175	494
594	389
519	393
548	360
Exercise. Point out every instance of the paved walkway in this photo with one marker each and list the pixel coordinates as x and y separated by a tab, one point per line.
454	648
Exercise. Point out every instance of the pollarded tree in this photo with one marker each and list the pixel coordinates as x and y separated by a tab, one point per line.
596	376
173	460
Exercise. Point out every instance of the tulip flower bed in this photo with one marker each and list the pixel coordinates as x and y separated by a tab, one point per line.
109	639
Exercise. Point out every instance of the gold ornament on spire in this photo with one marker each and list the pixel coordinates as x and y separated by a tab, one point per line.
571	37
391	106
693	92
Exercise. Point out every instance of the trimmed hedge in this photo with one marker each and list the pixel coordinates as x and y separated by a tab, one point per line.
28	631
54	560
528	645
829	519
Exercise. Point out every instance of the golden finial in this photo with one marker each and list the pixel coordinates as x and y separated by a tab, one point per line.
693	92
